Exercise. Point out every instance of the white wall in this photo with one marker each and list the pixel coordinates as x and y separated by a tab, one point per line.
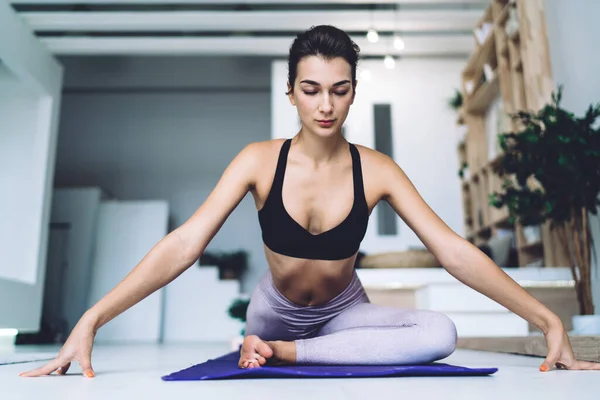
18	109
126	232
78	207
573	33
27	150
166	128
424	133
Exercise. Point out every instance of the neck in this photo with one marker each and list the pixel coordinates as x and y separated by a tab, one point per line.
319	149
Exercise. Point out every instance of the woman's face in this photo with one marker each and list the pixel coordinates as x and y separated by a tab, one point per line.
323	93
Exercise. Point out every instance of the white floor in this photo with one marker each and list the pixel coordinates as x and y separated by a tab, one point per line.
133	372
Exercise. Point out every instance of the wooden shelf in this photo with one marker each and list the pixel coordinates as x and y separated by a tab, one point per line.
536	246
503	16
480	56
516	63
518	87
515	37
484	231
503	222
475	174
486	17
481	99
460	118
503	50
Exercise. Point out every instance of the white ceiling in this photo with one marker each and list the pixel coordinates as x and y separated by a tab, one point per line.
246	27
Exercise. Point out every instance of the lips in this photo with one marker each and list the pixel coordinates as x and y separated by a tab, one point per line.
325	122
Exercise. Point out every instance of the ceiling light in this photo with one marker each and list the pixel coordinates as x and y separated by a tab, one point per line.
389	62
398	42
372	36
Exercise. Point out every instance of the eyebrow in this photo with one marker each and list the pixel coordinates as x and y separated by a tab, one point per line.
318	84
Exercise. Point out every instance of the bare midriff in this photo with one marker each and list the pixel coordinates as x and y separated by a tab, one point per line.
309	282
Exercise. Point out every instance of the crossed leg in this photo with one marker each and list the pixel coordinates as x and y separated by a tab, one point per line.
371	334
365	334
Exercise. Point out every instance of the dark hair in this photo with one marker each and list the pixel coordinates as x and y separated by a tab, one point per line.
323	40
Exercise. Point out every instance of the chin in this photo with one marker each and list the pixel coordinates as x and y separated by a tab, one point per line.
326	132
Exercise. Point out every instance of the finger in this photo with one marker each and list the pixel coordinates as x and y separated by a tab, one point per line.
551	359
45	369
585	365
86	366
63	370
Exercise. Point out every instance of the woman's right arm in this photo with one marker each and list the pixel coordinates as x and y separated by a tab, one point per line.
168	259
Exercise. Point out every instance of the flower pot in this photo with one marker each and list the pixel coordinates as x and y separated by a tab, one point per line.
586	325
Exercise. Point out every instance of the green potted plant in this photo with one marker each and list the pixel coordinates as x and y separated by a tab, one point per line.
456	101
237	310
553	162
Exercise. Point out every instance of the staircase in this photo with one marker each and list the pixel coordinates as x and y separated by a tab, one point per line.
474	314
195	307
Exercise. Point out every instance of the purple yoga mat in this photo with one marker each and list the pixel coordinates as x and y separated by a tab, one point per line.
225	367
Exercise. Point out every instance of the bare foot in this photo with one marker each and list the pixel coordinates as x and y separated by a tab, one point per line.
254	352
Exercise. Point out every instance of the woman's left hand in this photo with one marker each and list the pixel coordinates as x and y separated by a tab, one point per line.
560	352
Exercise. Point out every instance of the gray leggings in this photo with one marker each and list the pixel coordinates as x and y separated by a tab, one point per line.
349	329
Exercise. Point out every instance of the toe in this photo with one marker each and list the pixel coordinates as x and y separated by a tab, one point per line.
264	350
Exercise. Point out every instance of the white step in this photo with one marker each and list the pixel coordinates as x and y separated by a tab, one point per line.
196	307
411	277
454	297
488	324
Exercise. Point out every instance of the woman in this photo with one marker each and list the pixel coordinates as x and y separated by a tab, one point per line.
314	194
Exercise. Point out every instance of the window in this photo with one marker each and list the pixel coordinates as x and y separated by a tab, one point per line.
386	216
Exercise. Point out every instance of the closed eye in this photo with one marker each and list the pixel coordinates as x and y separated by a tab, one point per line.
337	93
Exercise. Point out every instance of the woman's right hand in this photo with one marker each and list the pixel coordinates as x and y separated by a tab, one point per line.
78	347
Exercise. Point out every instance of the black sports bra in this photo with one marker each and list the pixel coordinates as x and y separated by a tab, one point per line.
283	235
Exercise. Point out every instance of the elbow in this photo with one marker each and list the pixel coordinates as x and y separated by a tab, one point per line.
191	255
464	255
189	250
456	253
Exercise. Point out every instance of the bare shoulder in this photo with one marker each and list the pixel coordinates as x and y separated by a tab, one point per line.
258	150
371	158
379	170
257	157
259	153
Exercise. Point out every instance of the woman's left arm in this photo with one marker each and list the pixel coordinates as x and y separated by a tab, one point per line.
472	267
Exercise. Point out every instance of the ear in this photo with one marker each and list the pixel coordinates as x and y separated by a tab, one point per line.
291	94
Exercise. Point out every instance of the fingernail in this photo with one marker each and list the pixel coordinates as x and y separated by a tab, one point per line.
22	373
543	368
89	374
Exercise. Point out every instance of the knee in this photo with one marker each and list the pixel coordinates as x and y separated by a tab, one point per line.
445	335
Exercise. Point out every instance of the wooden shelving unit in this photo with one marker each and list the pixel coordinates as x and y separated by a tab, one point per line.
511	69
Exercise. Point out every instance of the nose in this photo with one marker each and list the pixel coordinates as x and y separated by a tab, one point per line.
326	107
